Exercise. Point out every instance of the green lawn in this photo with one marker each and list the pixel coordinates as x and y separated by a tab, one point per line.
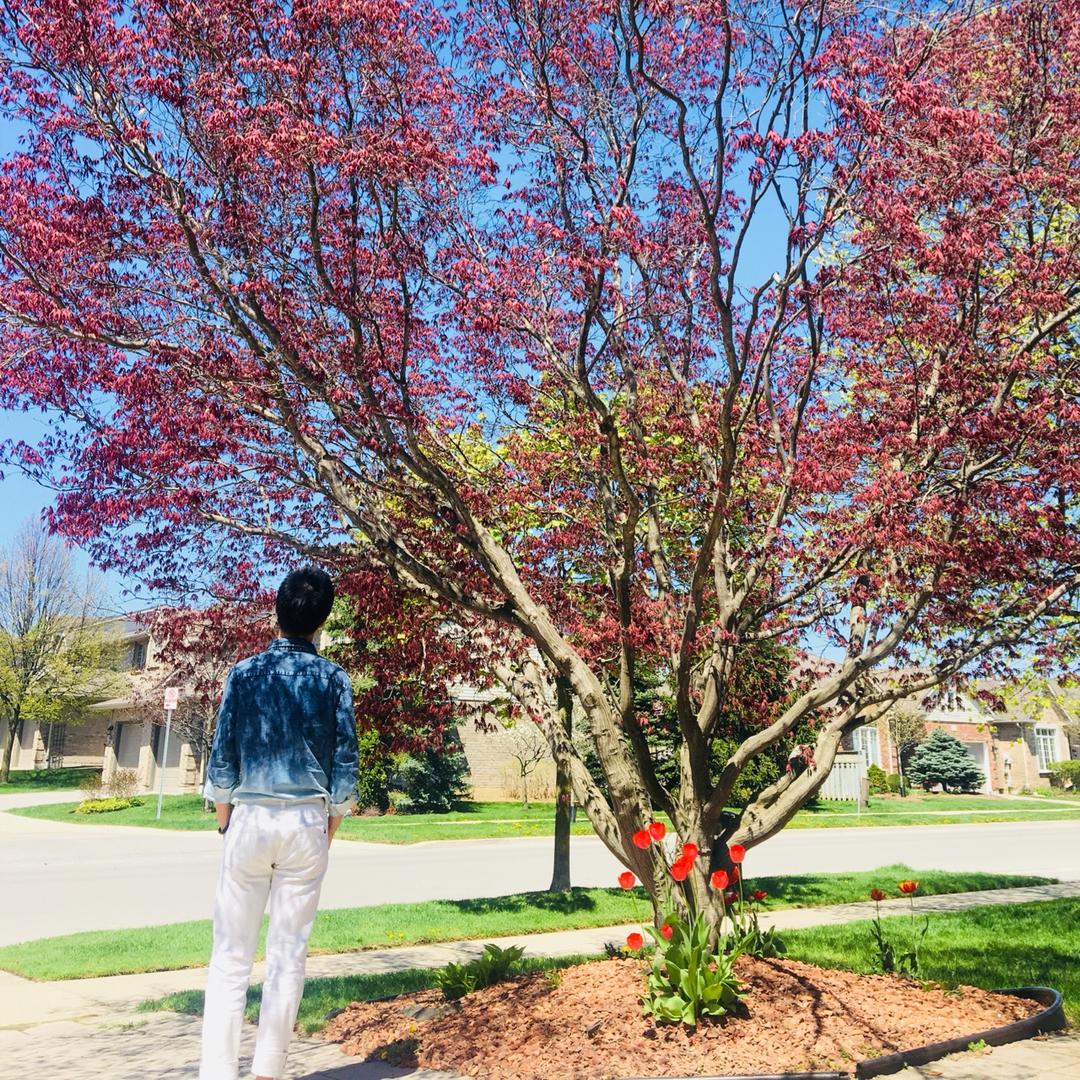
45	780
476	821
1013	945
992	947
322	996
922	809
181	945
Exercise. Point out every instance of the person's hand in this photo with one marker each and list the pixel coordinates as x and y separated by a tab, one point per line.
224	813
331	828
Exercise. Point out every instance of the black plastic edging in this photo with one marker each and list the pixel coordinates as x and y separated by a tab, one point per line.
1052	1018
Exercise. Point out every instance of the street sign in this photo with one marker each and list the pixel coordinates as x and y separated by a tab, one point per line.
172	698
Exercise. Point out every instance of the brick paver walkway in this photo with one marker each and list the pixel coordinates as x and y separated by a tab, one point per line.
88	1028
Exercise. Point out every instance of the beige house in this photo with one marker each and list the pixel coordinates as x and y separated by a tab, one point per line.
119	733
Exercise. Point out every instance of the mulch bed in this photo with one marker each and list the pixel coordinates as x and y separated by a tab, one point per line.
586	1024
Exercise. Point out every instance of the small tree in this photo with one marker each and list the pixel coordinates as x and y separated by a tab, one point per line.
906	729
942	759
528	750
54	658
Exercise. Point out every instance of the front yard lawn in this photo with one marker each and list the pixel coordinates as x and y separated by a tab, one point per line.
500	820
994	948
472	821
181	945
45	780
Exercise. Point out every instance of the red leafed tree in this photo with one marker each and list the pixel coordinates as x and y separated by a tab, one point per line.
614	332
194	649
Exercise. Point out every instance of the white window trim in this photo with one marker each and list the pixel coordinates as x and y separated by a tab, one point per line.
866	741
1045	732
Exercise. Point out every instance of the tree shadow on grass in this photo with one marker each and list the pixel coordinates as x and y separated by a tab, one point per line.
577	900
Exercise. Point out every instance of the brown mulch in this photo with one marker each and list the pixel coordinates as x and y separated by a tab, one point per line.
587	1024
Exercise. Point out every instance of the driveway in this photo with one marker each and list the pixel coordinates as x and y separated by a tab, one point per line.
61	878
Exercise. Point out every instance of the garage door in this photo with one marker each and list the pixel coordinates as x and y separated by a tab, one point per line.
128	746
172	765
977	750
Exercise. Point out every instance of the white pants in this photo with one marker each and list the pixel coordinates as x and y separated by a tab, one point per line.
277	850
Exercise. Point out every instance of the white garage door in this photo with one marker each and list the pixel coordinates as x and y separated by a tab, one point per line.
977	750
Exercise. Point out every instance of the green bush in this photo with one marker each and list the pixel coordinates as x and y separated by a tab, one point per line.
892	783
1060	771
105	806
371	778
494	965
430	781
877	779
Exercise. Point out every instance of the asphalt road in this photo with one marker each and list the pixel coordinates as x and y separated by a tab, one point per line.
57	878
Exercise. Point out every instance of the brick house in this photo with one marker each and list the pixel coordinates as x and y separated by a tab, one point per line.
1013	744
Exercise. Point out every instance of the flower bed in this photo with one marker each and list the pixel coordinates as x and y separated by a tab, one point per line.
585	1023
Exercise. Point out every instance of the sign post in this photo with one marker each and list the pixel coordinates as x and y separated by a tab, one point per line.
172	699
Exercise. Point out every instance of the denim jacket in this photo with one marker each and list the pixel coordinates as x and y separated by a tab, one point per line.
285	730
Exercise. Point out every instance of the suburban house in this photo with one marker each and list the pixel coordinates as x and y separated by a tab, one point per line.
1012	742
127	732
120	732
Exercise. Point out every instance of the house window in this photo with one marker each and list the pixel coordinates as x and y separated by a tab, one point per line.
1045	747
138	655
865	741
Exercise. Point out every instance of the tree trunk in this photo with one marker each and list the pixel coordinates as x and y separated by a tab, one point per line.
560	877
524	790
9	742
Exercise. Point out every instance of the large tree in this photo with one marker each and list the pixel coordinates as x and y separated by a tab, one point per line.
56	657
616	333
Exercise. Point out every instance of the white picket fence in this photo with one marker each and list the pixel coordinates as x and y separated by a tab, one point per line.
848	772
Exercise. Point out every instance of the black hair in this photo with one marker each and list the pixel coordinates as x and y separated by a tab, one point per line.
304	600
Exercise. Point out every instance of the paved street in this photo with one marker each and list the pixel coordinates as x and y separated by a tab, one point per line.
61	878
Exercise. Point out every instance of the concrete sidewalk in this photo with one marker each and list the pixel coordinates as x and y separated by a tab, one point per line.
72	1023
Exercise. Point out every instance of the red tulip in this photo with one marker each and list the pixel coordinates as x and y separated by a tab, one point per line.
908	887
657	830
627	880
737	853
878	895
634	942
730	897
666	931
735	873
642	839
690	851
680	868
759	895
719	880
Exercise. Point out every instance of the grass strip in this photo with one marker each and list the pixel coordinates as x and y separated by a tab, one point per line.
500	820
995	948
27	780
323	996
187	944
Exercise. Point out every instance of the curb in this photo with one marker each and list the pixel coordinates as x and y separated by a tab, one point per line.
1052	1018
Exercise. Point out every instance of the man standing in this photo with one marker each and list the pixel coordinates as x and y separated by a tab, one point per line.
282	774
